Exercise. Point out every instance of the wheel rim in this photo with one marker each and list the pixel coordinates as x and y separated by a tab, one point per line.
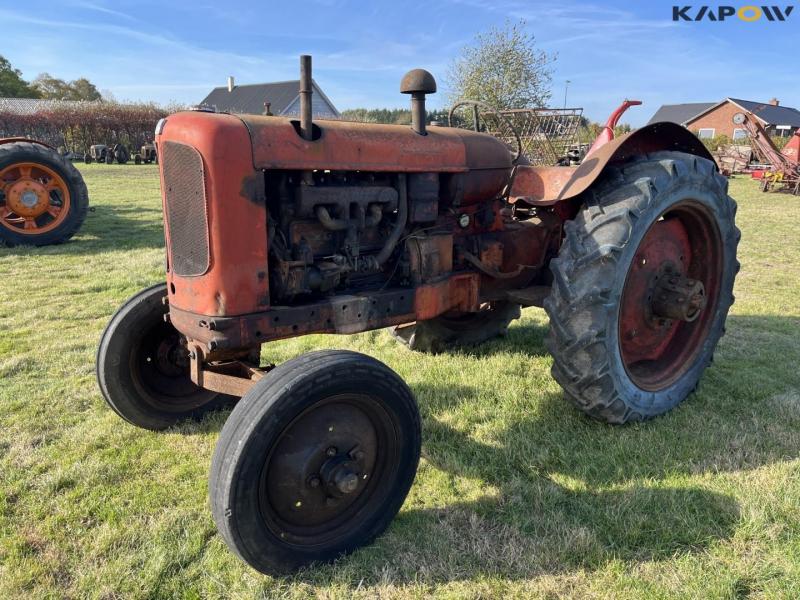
670	296
34	199
159	367
329	471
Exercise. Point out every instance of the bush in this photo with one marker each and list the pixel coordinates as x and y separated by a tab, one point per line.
76	126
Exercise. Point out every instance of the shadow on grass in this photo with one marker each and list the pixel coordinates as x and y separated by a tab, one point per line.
562	492
107	228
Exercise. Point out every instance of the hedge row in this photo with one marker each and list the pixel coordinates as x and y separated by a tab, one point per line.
77	126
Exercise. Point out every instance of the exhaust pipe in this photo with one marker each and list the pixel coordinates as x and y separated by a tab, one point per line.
306	90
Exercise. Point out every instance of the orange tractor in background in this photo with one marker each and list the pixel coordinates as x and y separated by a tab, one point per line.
43	199
280	227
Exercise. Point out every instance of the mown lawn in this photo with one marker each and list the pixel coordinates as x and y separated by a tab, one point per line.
517	493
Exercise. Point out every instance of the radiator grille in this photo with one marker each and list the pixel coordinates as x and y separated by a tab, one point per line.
186	210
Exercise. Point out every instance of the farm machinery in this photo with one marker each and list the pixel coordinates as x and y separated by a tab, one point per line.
280	227
784	172
147	154
43	199
107	154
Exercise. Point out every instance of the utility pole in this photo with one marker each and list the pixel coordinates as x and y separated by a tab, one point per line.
566	87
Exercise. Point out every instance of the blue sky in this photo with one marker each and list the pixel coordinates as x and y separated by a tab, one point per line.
178	51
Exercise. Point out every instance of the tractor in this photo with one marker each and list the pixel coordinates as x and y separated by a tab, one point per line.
147	154
43	199
107	154
280	227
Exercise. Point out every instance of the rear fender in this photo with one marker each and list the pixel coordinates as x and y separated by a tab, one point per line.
545	186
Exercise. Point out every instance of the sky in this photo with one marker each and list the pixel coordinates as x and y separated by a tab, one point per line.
177	51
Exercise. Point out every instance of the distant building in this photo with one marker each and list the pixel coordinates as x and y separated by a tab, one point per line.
281	98
709	119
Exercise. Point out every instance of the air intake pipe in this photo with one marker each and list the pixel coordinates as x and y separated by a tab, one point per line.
418	82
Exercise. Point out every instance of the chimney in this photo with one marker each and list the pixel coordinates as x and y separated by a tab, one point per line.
230	83
774	102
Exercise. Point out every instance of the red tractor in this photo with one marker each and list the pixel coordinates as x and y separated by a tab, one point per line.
280	227
43	199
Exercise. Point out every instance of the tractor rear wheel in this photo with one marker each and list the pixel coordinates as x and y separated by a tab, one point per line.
43	199
121	154
445	333
315	460
642	287
143	366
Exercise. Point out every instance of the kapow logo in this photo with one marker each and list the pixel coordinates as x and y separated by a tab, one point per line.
721	13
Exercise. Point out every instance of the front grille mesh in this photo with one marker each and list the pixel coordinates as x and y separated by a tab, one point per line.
186	209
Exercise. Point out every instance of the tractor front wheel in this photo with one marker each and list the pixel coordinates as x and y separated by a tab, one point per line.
642	287
315	460
143	366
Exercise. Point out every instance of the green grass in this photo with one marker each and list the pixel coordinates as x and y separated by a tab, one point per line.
517	493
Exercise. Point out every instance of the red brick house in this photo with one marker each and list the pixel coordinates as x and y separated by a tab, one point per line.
710	119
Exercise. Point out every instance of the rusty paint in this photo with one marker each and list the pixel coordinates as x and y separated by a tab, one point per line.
607	134
233	377
342	314
227	312
539	186
345	146
684	244
237	225
543	186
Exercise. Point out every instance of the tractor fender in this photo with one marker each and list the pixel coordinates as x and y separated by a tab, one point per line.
545	186
11	140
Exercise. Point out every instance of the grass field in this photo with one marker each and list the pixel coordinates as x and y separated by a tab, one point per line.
517	495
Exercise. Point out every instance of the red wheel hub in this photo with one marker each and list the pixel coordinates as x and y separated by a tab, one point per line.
670	293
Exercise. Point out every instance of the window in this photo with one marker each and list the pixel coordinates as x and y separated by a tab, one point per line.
739	134
706	134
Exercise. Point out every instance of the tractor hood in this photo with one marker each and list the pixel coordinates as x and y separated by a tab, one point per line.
347	146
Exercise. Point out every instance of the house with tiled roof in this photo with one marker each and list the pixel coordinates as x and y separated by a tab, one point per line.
280	98
710	119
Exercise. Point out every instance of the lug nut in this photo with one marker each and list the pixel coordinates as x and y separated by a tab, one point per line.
314	481
331	452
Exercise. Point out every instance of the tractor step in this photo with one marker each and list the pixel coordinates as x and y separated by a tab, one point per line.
529	296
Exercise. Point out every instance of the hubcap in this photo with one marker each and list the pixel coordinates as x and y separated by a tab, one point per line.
29	199
670	292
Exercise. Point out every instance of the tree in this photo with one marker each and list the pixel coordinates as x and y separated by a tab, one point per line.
83	89
58	89
503	68
11	83
50	87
